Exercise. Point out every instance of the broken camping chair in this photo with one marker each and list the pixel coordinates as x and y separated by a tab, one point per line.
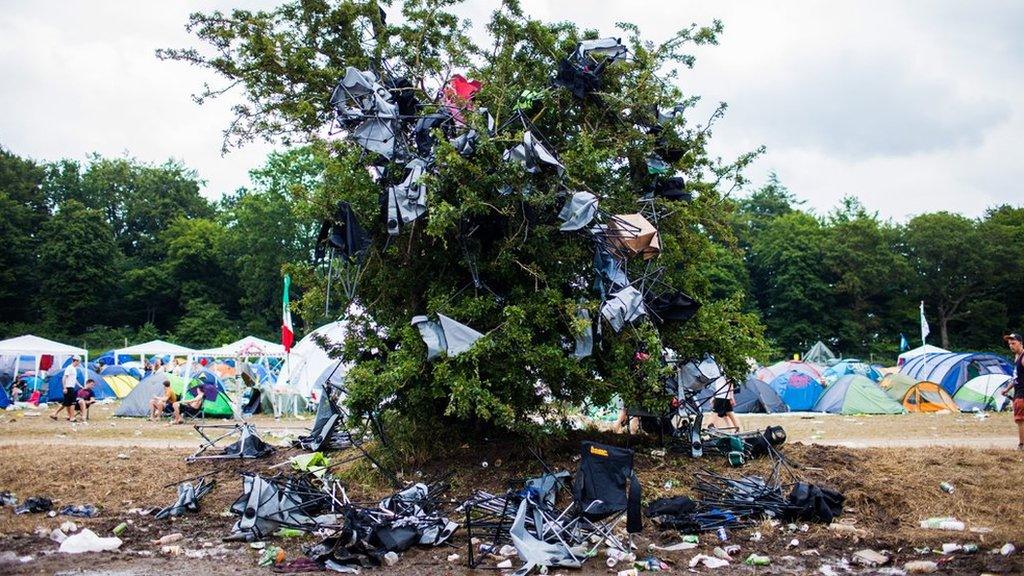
247	443
268	504
189	495
342	236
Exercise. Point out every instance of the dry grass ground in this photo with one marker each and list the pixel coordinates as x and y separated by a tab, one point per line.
888	490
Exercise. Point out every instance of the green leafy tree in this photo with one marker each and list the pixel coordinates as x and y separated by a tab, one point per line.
23	209
286	61
80	287
198	263
204	324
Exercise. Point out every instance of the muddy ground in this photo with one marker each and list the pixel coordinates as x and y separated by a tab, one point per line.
122	465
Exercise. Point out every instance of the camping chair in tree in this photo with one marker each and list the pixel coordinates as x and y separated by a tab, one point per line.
342	235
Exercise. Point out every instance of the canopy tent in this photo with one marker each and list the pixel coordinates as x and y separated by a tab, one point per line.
951	370
919	351
771	372
308	360
837	371
757	396
55	390
856	394
154	348
819	354
245	348
797	389
29	345
926	397
982	393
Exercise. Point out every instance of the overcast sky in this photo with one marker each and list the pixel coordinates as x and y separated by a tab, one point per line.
910	106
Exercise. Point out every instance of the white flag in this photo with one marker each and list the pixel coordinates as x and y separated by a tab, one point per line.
924	324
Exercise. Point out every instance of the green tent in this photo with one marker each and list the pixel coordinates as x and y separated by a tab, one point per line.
219	408
856	394
897	385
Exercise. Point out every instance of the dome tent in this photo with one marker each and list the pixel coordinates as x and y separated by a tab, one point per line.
919	351
797	389
953	369
771	372
896	385
819	354
840	369
55	385
136	403
757	396
928	397
856	394
307	361
982	393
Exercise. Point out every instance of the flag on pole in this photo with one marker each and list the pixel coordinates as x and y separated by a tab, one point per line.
287	333
924	325
904	345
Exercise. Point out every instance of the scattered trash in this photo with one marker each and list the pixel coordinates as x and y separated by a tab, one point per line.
271	556
171	550
980	529
35	505
188	499
1007	549
88	541
722	534
507	550
946	487
288	533
453	557
258	545
68	527
80	511
684	545
943	523
757	560
949	548
920	567
870	558
58	536
629	572
707	561
668	485
163	540
847	529
615	556
391	558
658	453
120	528
7	499
122	456
756	536
651	564
719	552
506	563
793	543
811	552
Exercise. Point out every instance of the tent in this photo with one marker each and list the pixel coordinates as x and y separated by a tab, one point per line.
55	390
819	354
37	347
757	396
951	370
896	385
983	393
219	408
307	361
919	351
926	397
771	372
856	394
136	403
245	348
5	400
154	348
797	389
837	371
120	381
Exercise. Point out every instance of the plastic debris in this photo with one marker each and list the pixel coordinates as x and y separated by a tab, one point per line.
920	567
7	499
755	537
507	550
391	558
757	560
506	563
120	528
88	541
847	529
58	536
947	487
719	552
171	550
1007	549
793	543
80	511
707	561
453	557
651	564
870	558
271	556
943	523
35	505
684	545
170	538
68	527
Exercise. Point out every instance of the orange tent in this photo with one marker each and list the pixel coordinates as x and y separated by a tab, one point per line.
928	397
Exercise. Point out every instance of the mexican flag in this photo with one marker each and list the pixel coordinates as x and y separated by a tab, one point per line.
287	333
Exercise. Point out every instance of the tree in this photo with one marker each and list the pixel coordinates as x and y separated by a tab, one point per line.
950	278
23	210
80	286
537	277
198	264
204	325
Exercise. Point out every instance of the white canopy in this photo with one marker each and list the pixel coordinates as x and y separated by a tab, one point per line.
34	345
248	346
920	350
308	361
155	347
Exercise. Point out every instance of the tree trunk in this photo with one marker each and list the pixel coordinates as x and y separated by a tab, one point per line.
942	330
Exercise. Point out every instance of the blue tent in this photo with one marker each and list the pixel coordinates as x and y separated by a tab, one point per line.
846	367
101	389
952	369
108	358
114	371
5	400
797	389
757	396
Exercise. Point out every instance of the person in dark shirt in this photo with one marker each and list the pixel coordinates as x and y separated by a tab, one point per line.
85	398
1015	387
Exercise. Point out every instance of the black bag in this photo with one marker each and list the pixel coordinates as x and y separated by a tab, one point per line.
813	503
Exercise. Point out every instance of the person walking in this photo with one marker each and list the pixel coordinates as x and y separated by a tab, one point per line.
1015	387
69	381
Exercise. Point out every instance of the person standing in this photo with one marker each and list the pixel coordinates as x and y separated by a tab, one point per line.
69	381
1015	388
723	401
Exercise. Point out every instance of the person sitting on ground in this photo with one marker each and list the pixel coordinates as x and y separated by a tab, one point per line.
163	403
69	380
85	398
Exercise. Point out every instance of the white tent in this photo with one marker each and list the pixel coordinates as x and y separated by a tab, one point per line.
920	350
155	348
246	347
308	361
30	345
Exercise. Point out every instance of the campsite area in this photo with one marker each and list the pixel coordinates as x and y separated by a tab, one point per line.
122	465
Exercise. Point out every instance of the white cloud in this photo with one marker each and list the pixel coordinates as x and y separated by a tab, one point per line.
910	106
